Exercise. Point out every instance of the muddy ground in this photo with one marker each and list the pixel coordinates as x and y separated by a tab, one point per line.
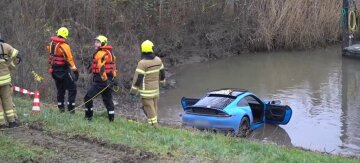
77	148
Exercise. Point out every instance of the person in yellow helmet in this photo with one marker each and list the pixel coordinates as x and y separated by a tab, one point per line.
63	69
104	72
9	57
149	74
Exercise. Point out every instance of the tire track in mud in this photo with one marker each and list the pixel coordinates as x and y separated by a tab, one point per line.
77	148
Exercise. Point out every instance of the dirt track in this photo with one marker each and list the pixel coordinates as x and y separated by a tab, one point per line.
77	148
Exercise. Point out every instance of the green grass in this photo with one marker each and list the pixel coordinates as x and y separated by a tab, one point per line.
12	150
180	142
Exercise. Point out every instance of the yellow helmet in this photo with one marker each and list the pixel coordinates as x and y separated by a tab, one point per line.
102	39
63	32
147	47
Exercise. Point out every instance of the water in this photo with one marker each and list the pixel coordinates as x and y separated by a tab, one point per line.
321	87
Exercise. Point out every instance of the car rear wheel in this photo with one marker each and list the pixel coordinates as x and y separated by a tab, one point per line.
244	127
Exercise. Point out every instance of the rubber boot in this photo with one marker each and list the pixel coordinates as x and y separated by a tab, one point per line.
61	108
111	117
3	126
155	125
71	109
14	124
89	114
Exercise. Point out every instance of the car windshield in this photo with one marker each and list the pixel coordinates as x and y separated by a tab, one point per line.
216	102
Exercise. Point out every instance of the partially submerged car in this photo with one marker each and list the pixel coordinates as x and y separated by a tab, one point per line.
236	110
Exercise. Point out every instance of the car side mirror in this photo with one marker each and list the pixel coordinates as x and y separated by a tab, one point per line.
275	102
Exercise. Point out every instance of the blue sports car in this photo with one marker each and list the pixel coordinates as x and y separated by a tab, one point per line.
235	110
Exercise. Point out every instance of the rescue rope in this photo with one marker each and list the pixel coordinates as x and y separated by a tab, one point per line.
115	88
78	107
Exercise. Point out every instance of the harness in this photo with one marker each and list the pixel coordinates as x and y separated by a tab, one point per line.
56	59
2	54
110	66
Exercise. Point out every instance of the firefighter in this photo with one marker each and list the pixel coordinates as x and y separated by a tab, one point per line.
9	57
149	74
63	69
104	72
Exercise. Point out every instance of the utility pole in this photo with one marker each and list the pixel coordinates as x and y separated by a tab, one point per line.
344	25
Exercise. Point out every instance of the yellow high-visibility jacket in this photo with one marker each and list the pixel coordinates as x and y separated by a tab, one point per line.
7	57
148	76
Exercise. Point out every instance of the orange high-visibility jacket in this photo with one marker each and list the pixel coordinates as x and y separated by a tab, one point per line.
104	63
110	61
60	53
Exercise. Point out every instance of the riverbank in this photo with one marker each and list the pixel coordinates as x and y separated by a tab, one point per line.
69	137
181	31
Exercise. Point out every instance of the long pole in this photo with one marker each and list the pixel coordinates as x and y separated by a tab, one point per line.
345	27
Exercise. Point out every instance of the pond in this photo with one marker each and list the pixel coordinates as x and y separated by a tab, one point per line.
319	85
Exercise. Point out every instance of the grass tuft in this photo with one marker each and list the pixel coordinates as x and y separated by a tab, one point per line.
12	150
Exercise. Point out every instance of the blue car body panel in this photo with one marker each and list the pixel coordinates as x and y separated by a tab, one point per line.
211	122
228	118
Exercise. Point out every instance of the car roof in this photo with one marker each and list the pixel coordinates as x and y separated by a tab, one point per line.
231	92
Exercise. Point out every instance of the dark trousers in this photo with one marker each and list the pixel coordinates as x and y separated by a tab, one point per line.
97	87
64	81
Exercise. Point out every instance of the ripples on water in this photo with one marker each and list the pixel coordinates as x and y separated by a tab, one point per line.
321	87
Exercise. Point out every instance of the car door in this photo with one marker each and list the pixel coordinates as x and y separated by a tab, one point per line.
185	102
277	114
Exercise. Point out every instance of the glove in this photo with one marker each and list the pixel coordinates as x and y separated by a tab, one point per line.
76	78
112	82
109	82
115	82
18	60
132	97
50	71
162	87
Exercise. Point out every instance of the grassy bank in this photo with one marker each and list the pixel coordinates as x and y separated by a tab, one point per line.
171	142
13	151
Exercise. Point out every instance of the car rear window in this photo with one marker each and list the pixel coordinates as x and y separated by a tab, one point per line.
214	101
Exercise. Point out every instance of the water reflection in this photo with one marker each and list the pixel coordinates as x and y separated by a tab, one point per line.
271	134
350	131
319	85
